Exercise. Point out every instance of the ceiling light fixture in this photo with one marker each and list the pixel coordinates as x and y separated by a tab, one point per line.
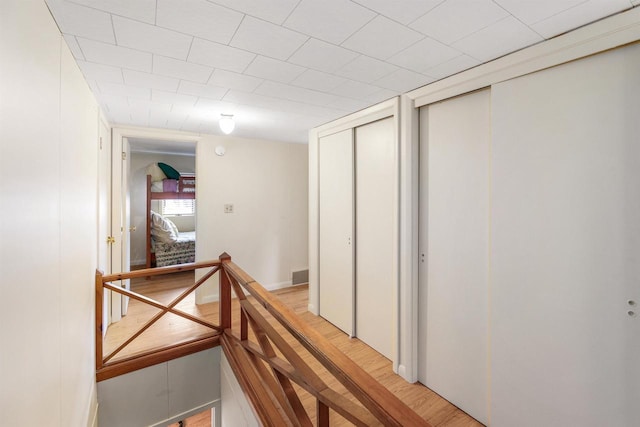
226	123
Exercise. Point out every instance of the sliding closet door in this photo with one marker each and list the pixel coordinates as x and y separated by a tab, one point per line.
565	233
454	251
376	180
336	229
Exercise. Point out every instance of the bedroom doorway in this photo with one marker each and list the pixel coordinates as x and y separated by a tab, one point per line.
133	151
153	157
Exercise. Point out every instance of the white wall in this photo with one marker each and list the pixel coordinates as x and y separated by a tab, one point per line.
162	394
267	182
138	192
236	410
48	173
565	244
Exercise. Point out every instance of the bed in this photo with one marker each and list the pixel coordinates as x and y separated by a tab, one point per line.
165	244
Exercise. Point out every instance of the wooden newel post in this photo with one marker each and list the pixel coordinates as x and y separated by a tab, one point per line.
99	305
225	293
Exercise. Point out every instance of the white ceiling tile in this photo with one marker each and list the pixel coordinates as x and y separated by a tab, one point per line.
425	54
191	125
206	91
577	16
275	11
498	39
279	104
200	18
114	103
140	10
317	80
381	95
151	81
403	81
150	38
293	93
268	39
272	69
93	86
82	21
219	56
173	98
322	56
330	20
353	89
636	2
530	12
158	120
366	69
453	66
117	89
175	120
455	19
185	109
140	116
101	72
217	107
404	11
382	38
141	104
115	55
119	117
233	80
181	69
74	47
348	104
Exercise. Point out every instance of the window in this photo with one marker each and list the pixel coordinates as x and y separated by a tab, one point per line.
178	207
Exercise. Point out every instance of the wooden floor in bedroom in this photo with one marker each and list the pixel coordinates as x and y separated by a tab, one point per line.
171	328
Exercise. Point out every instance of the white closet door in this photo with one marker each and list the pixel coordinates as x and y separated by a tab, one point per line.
376	181
454	220
565	234
336	229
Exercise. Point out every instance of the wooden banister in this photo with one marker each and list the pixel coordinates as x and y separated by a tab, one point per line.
380	402
160	270
107	366
266	366
98	329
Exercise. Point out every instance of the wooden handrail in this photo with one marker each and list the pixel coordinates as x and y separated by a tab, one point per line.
106	367
159	270
266	367
383	405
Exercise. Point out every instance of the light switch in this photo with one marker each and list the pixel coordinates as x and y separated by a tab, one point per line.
228	208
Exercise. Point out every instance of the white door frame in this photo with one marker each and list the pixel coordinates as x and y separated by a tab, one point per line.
104	211
609	33
389	108
118	306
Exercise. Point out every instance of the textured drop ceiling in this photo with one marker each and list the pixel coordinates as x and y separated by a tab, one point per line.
282	67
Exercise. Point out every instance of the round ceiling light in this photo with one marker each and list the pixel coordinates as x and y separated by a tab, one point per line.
227	125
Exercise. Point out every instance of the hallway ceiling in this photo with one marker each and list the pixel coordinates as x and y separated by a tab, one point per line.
282	67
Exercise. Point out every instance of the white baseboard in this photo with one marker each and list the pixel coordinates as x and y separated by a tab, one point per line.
94	422
281	285
406	375
205	299
92	413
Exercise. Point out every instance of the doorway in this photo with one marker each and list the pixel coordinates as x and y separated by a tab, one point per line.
127	222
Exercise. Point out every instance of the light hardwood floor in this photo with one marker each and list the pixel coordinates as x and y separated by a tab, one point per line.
171	329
